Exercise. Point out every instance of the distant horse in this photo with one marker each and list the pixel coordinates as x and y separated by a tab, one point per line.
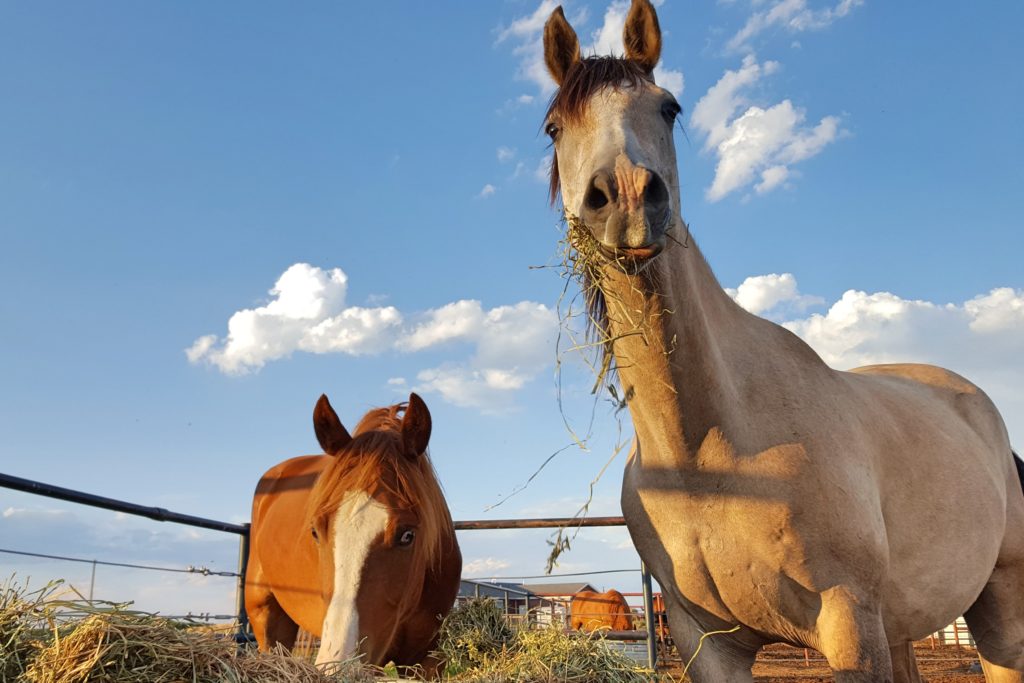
592	611
773	498
355	546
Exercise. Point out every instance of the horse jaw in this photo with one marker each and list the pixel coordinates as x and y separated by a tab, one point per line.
357	522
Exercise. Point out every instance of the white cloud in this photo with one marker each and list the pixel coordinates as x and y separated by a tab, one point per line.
510	344
760	142
460	320
307	313
669	79
483	566
791	15
527	31
981	338
771	178
761	294
513	344
487	191
505	154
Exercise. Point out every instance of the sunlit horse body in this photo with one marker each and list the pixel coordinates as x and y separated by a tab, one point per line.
355	546
592	611
774	499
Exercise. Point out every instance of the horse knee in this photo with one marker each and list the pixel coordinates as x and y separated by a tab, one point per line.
852	637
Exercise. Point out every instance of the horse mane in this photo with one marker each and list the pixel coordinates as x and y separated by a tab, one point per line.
583	80
376	450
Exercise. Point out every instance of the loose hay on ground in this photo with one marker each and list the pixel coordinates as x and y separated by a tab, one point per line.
44	639
482	648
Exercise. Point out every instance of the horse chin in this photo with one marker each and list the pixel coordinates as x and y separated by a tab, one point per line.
633	260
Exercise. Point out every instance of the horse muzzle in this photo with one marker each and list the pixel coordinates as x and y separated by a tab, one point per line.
627	211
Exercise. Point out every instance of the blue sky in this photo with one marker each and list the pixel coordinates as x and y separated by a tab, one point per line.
850	168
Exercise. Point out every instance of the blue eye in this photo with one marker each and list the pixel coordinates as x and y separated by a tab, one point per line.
407	537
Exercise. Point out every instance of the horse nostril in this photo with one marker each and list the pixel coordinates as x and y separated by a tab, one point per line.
596	199
600	192
655	194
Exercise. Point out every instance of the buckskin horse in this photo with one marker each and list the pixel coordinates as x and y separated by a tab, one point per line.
357	545
774	498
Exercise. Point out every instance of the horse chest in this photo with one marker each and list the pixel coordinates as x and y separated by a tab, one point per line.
738	557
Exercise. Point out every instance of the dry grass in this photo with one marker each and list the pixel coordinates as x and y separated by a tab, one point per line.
482	648
45	638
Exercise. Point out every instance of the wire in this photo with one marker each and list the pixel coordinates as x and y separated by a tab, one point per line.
189	570
549	576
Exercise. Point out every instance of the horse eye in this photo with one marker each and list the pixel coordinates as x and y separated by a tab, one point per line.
407	537
552	130
670	110
316	536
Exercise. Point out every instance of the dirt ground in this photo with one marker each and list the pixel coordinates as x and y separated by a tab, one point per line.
784	664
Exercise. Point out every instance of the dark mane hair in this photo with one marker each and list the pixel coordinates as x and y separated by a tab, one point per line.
583	80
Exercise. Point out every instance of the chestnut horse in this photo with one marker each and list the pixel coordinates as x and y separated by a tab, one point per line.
592	611
773	498
357	545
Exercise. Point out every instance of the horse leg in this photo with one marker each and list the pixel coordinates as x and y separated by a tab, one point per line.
270	624
996	618
712	657
852	638
904	664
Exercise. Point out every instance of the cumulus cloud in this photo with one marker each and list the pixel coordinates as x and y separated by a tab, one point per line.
487	191
307	312
765	294
981	338
793	16
506	154
760	142
513	344
880	327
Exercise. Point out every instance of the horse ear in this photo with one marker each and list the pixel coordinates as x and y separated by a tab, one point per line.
415	427
561	46
331	434
642	35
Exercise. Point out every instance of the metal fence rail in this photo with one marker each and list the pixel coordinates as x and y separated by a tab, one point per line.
242	530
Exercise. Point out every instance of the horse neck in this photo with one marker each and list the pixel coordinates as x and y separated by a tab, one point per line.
687	354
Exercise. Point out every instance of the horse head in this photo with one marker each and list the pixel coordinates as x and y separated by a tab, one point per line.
379	520
611	126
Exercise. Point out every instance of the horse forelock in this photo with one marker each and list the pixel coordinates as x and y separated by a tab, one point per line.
375	462
584	80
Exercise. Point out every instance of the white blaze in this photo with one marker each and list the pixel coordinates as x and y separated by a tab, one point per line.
357	522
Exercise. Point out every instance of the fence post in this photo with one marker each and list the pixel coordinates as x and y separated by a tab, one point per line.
652	643
243	565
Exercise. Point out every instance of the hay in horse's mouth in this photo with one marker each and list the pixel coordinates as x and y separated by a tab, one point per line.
581	238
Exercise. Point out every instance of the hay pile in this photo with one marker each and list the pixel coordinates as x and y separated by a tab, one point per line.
46	639
482	648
